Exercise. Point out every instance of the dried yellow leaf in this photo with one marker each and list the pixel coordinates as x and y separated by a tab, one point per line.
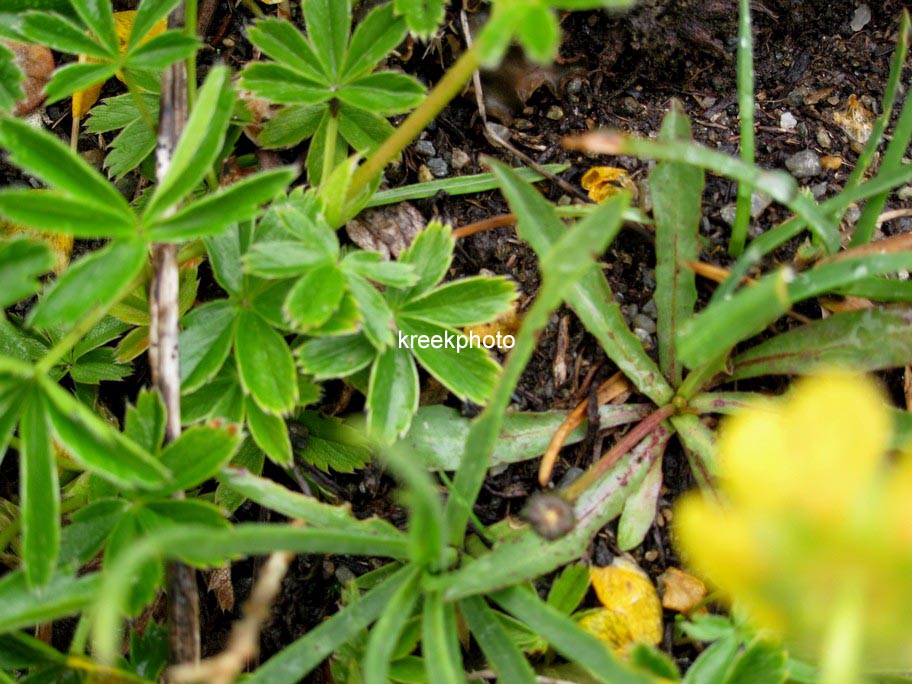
682	592
604	182
632	611
123	25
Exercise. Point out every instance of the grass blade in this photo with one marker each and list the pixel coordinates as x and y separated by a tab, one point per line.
384	637
746	115
505	657
440	642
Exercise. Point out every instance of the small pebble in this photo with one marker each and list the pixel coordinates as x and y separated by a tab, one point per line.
523	125
574	86
852	215
796	97
804	164
438	167
651	556
645	338
424	174
819	190
861	18
905	193
564	201
649	278
460	159
500	131
555	113
644	322
760	201
628	106
425	147
650	309
728	213
787	121
823	138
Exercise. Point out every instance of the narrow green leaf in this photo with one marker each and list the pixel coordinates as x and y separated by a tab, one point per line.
377	319
12	391
162	51
385	93
225	251
430	254
327	24
282	85
21	262
64	595
210	215
198	454
145	421
393	395
640	508
423	16
714	663
129	148
468	301
257	347
466	370
95	280
677	192
40	495
46	157
10	80
335	357
440	641
60	34
205	341
372	266
73	77
199	144
98	15
868	340
315	297
384	637
305	654
364	130
761	662
281	41
149	13
48	210
566	637
569	588
291	125
538	31
97	445
221	397
378	34
505	657
269	432
281	259
116	112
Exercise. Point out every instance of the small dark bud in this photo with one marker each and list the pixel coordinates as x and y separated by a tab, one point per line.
550	515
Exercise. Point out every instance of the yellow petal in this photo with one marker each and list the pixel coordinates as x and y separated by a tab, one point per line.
61	245
85	98
633	612
603	182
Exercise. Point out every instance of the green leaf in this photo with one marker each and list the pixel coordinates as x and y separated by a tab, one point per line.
440	641
305	654
119	111
315	297
393	395
761	663
21	262
654	661
281	41
282	85
40	495
867	340
296	506
198	454
640	508
249	459
385	93
591	299
44	156
566	637
384	637
130	528
225	251
221	397
332	444
468	301
210	215
149	13
372	266
377	319
61	34
505	657
145	421
97	366
327	26
258	346
423	16
205	341
470	372
64	595
282	259
199	144
569	588
10	80
47	210
291	125
98	15
538	32
97	445
363	130
12	392
95	280
73	77
335	357
713	664
677	192
378	34
430	254
269	432
162	51
129	148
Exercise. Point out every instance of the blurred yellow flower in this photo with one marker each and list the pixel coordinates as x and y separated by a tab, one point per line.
604	182
813	536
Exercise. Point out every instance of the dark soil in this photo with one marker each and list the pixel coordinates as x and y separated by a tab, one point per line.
617	72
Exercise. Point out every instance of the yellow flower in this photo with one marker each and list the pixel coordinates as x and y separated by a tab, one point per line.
815	524
604	182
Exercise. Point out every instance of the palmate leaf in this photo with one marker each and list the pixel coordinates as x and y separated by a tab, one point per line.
281	41
61	34
374	38
328	24
98	16
384	92
422	16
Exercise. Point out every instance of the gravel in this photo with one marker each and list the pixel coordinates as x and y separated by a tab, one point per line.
804	164
438	167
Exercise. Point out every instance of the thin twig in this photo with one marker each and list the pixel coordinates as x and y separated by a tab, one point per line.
183	595
486	224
